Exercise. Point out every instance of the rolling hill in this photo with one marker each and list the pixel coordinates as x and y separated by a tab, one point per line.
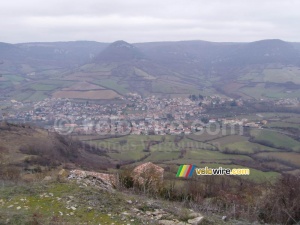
261	69
28	148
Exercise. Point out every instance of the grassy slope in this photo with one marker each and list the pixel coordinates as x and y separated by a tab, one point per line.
49	203
277	139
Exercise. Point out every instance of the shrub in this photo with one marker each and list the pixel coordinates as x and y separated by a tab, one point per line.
281	203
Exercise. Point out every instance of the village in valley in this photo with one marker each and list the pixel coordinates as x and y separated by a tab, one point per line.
132	114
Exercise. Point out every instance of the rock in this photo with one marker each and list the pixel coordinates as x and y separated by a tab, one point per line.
47	178
129	202
194	215
19	207
135	210
196	221
149	172
73	208
224	218
62	172
166	222
158	217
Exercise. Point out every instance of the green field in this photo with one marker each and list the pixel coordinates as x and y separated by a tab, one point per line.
43	87
98	67
22	96
261	91
143	74
205	136
289	157
116	85
282	75
210	149
255	175
169	87
14	78
30	96
278	140
212	156
37	96
246	147
274	75
6	84
280	124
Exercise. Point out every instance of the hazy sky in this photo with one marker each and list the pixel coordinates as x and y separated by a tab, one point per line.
144	20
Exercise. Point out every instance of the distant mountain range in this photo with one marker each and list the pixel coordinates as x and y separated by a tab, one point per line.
163	68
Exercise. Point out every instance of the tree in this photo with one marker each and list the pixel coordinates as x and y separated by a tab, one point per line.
233	104
205	120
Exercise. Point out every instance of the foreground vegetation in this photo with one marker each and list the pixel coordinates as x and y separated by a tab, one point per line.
269	195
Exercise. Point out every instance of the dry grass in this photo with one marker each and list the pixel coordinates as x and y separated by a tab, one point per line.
83	86
94	95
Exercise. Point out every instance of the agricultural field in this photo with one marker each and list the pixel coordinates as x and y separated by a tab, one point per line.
285	157
14	78
273	75
282	75
171	87
206	156
93	95
246	147
43	87
83	86
268	83
275	139
255	175
279	124
104	67
38	90
37	96
6	84
172	150
267	152
261	91
205	136
113	84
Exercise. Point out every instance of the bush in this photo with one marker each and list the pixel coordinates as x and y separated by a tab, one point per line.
281	204
125	179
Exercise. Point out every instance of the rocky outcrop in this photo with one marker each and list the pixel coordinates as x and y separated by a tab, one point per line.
158	215
100	180
148	173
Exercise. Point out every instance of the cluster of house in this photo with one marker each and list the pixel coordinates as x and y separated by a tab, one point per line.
135	115
291	102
